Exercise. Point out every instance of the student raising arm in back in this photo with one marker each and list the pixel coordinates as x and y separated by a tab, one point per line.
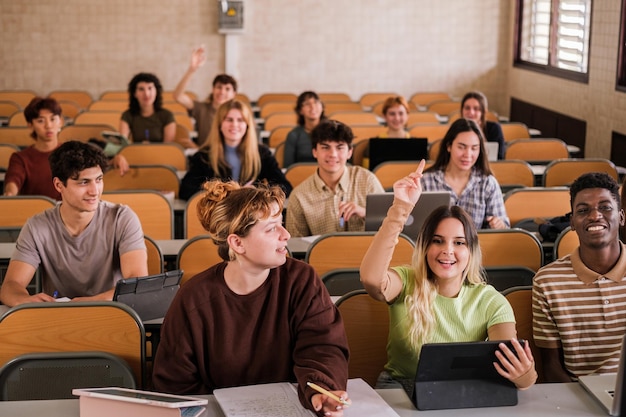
442	297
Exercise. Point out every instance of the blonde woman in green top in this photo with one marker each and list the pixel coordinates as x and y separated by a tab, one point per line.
442	296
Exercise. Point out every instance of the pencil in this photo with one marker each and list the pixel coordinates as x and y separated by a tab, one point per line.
327	393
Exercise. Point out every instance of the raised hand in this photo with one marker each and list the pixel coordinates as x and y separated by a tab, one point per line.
409	188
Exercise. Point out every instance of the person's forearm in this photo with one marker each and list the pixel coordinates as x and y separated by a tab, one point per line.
10	188
179	92
11	294
375	263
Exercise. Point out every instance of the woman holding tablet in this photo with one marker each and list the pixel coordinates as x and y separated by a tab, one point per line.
442	296
259	316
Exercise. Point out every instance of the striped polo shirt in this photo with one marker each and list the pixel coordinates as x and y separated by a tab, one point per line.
582	312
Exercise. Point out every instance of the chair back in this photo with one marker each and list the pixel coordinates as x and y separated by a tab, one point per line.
18	136
341	281
366	322
280	119
155	256
339	106
171	154
444	107
111	118
391	171
272	107
502	247
268	97
563	172
368	100
279	154
6	150
18	120
109	105
153	209
80	97
356	118
531	202
513	173
115	95
346	250
192	225
144	177
364	132
514	131
70	110
377	109
358	152
17	209
333	97
520	299
83	133
566	242
536	150
8	109
422	117
183	119
278	135
300	171
105	326
507	276
53	375
430	131
425	98
196	255
21	97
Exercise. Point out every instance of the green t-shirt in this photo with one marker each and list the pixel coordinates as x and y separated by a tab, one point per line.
464	318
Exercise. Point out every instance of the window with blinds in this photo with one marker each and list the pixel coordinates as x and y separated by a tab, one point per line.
553	37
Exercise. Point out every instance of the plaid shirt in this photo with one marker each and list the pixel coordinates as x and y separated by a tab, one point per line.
481	197
313	208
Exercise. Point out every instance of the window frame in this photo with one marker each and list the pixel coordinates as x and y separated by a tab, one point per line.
549	69
620	74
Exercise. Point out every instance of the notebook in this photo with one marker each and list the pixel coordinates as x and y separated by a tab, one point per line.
397	149
376	206
149	296
607	389
281	399
461	375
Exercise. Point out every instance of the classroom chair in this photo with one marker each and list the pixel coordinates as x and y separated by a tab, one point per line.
423	99
340	106
153	209
272	107
268	97
196	255
391	171
514	131
6	150
105	326
18	136
21	97
8	109
84	132
368	100
444	107
536	202
430	131
300	171
341	281
334	97
562	172
280	119
17	209
366	322
80	97
109	105
356	118
171	154
162	178
566	242
507	247
508	276
111	118
278	135
536	151
512	173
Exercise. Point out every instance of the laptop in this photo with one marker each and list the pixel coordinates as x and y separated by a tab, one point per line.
377	205
461	375
607	389
397	149
492	149
149	296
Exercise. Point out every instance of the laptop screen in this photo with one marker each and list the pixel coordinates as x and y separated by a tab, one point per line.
461	375
149	296
397	149
377	205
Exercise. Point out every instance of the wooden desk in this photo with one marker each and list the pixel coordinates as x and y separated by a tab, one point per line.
545	400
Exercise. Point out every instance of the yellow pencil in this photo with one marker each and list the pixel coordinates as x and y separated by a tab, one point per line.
327	393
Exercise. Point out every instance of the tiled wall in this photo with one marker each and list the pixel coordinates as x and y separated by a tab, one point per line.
326	45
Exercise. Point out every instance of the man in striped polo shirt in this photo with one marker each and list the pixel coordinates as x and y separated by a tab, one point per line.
579	301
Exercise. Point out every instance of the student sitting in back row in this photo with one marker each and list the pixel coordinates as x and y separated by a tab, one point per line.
332	199
84	245
29	171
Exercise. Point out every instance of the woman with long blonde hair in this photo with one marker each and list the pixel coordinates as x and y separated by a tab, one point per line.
232	152
442	296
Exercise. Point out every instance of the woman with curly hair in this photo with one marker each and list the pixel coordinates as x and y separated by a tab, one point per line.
259	316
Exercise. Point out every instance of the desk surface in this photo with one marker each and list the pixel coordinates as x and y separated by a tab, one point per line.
540	400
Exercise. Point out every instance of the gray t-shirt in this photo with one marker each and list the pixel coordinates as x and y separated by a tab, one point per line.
84	265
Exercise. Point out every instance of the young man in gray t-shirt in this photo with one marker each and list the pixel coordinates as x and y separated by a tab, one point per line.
83	245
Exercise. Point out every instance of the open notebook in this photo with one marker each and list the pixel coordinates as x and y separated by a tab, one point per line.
608	389
281	399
